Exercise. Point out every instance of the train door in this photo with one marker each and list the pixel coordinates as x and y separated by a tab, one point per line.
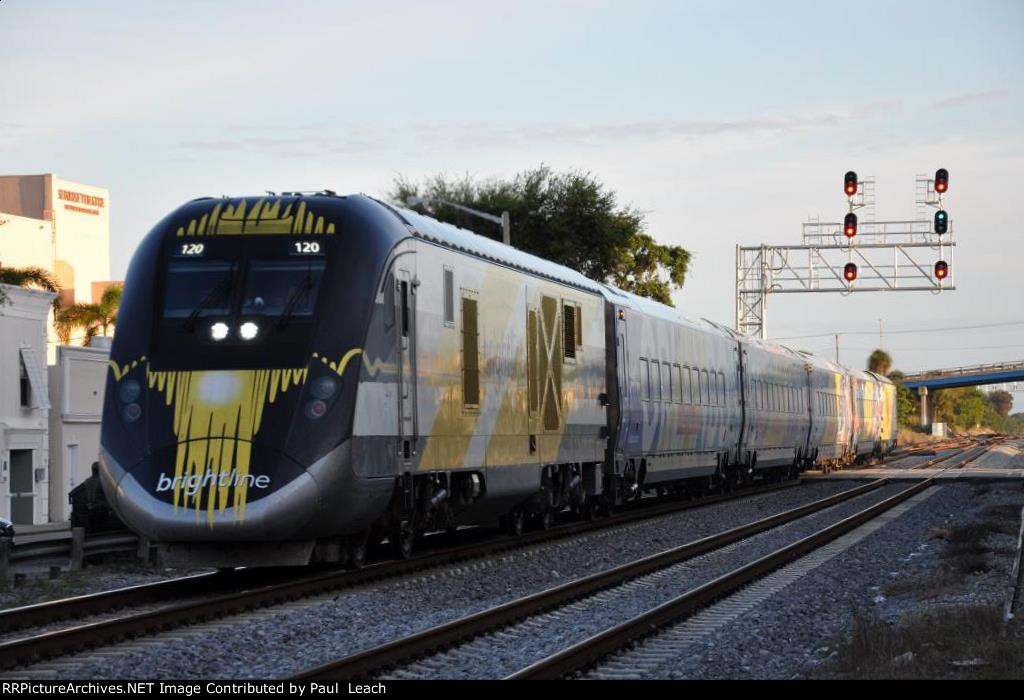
405	306
626	400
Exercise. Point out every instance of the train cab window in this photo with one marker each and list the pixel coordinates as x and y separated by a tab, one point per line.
202	287
282	287
645	379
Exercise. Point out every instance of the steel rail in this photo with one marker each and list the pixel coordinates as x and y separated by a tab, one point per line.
48	644
591	650
365	663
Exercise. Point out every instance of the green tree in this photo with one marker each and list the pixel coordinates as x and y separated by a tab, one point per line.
1002	402
908	403
570	218
880	362
94	319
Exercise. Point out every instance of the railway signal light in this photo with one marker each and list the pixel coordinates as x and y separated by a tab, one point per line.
850	225
941	222
850	183
850	272
941	270
941	180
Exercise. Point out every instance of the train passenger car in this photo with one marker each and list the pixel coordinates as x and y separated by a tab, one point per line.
297	377
828	443
885	413
679	385
866	419
776	419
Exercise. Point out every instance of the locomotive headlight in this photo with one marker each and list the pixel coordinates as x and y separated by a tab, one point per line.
219	331
324	388
129	391
248	330
132	412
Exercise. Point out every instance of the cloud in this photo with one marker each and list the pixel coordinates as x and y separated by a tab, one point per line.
969	99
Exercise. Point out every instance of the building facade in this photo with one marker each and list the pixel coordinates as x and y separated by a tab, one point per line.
74	217
76	384
24	405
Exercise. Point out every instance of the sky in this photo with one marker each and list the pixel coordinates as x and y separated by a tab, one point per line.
724	122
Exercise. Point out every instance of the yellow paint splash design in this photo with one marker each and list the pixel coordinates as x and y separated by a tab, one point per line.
120	371
268	215
372	367
216	416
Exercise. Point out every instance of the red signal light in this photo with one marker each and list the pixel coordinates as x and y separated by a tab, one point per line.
850	183
941	180
850	225
941	270
850	272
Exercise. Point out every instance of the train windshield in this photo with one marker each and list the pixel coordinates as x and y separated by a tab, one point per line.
285	288
198	288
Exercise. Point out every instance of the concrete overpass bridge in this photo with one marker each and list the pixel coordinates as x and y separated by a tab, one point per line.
974	375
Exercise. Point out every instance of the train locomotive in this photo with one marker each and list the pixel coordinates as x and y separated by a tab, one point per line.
296	378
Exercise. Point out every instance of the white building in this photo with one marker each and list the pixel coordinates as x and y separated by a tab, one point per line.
24	406
60	226
76	406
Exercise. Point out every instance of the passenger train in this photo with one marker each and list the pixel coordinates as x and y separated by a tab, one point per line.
295	378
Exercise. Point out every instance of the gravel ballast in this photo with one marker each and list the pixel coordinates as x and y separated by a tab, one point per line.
288	638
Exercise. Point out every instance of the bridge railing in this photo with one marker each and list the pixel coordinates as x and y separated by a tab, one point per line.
965	371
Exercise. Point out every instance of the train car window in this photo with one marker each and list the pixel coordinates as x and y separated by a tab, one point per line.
714	388
705	386
198	284
470	353
449	296
684	384
579	327
569	331
278	287
405	309
721	383
656	367
672	393
645	379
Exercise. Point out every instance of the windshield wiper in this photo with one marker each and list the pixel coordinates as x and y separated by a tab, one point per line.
221	289
300	293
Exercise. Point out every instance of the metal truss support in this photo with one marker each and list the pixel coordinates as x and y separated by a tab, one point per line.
891	256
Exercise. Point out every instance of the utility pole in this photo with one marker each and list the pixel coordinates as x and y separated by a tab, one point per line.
837	348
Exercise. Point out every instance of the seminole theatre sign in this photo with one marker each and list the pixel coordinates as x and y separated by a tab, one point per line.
81	202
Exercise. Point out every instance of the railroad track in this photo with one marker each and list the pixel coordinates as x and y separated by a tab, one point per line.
229	593
221	595
405	657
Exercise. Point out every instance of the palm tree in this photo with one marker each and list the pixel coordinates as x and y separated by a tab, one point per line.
880	362
94	319
28	277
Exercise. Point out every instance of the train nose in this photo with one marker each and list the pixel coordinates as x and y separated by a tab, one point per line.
208	489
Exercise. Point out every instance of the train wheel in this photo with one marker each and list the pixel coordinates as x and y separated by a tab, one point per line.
357	546
546	519
515	522
402	538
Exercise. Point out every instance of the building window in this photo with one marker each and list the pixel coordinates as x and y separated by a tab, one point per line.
26	386
470	353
